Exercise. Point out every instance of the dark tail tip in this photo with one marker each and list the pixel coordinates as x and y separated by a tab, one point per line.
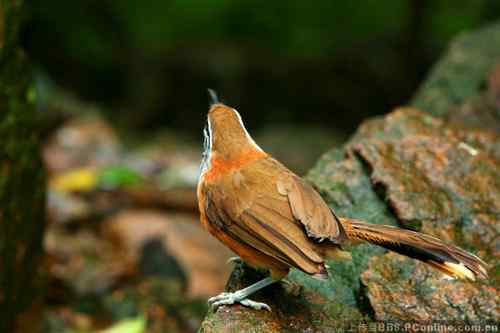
214	99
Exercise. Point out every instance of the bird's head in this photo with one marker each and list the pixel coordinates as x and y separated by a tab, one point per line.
226	135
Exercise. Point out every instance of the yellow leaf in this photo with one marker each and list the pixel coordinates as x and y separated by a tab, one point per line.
76	180
134	325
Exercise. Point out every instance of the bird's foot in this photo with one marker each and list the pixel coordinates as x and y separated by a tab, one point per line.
236	297
233	260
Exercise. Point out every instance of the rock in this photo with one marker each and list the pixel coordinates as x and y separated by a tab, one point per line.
401	289
156	261
197	253
433	169
434	174
308	312
461	72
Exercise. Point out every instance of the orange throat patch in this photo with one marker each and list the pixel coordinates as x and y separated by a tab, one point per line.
219	166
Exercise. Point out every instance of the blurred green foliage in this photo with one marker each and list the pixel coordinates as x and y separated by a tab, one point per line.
92	30
152	60
118	176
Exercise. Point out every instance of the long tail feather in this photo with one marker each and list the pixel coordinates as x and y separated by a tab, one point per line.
448	259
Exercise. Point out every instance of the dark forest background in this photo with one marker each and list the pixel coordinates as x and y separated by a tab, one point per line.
322	63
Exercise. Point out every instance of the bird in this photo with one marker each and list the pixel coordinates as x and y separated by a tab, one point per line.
274	220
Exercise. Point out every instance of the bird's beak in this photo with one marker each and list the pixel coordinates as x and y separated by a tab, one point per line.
214	99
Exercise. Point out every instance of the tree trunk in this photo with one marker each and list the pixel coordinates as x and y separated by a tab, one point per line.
22	179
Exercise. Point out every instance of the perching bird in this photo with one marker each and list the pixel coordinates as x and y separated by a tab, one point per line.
272	219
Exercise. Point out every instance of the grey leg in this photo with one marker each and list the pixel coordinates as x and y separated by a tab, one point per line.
240	296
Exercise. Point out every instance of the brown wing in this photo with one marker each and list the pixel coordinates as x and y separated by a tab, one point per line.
248	205
309	208
218	209
278	228
252	256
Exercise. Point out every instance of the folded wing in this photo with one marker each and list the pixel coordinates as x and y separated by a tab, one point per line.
272	210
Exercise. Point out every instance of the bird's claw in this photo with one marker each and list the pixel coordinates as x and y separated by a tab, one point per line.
231	298
255	305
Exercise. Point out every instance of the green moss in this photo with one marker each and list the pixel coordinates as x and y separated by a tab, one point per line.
461	72
353	194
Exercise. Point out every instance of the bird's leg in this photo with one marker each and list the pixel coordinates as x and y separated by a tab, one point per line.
240	296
